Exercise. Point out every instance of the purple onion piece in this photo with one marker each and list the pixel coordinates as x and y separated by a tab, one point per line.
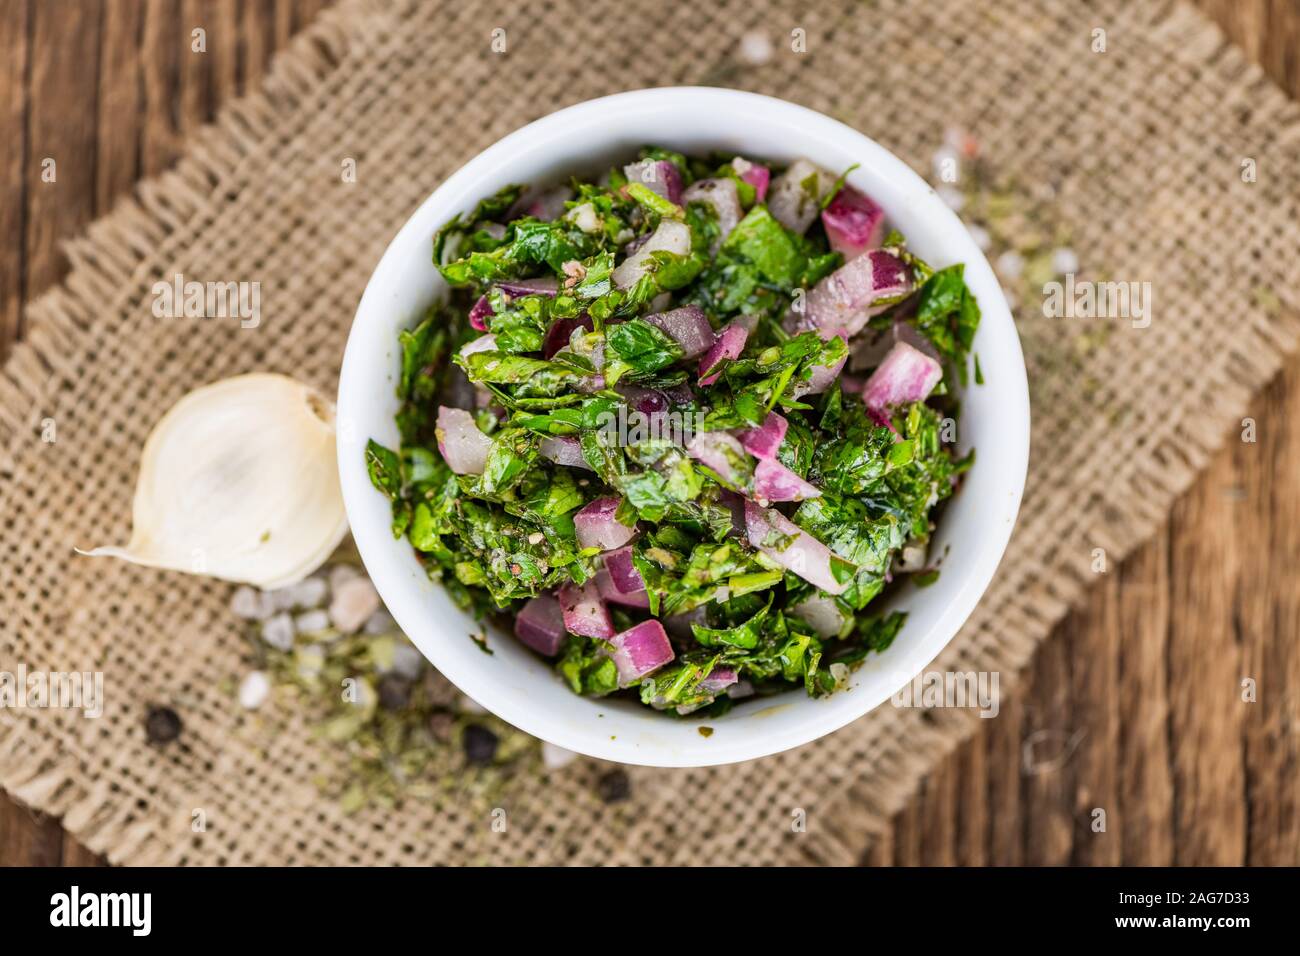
721	194
763	441
791	547
847	298
670	236
790	201
561	331
622	571
853	223
720	452
540	625
659	176
821	613
647	401
906	375
613	595
464	447
597	526
754	174
584	610
640	651
719	679
484	343
479	314
688	327
775	482
820	377
548	204
728	346
563	450
515	288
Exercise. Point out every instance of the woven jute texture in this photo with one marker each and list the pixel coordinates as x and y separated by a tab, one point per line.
1134	155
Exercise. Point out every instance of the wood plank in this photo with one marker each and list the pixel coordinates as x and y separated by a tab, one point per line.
14	64
27	838
121	106
60	172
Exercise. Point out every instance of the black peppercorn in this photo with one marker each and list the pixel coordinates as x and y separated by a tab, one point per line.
394	693
614	786
162	725
480	744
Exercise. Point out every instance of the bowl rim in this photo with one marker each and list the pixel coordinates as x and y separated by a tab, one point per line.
979	567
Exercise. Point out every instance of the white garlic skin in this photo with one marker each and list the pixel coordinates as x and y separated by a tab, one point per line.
239	481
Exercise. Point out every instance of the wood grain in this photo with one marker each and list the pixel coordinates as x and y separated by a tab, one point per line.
1133	707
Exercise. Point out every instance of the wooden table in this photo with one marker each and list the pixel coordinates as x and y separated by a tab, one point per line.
1133	706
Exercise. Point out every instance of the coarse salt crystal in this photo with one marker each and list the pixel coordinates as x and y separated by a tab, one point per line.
1065	262
253	690
251	604
310	622
1011	264
354	601
756	47
278	631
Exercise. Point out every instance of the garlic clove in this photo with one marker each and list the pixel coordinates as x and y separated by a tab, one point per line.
239	481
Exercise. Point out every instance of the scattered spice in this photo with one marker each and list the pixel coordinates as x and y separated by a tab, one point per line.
614	786
480	744
162	725
375	697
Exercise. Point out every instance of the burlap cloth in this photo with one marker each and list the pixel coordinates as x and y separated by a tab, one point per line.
1135	153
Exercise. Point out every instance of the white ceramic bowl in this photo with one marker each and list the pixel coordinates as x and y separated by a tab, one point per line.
515	684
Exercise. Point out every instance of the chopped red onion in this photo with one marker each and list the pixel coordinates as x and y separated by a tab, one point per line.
857	290
820	377
484	343
647	401
549	204
679	625
721	194
479	314
803	554
561	332
640	651
719	679
741	690
670	236
763	441
911	558
775	482
688	327
853	223
659	176
904	331
464	447
719	451
726	348
754	174
613	595
597	526
540	625
563	450
584	610
516	288
821	613
906	375
790	201
622	571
